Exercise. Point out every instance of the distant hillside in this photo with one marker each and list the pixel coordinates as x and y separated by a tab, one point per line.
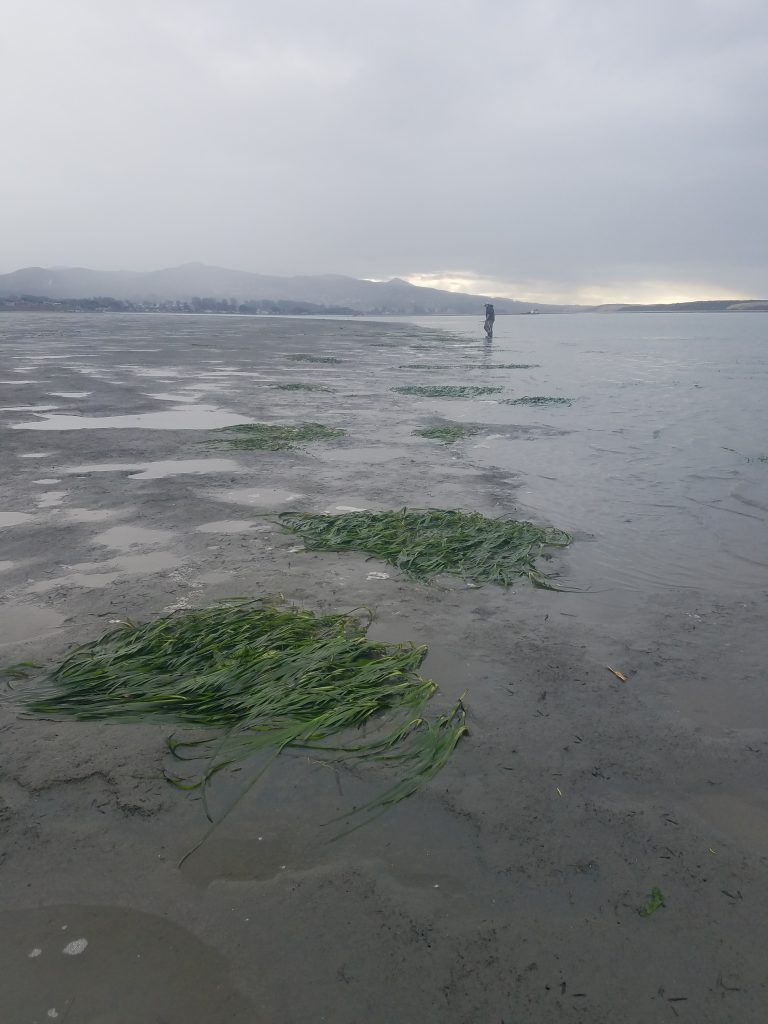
701	306
196	281
195	287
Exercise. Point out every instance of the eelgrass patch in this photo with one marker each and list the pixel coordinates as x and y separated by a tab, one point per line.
468	366
273	436
445	391
300	386
304	357
448	433
264	677
536	400
426	543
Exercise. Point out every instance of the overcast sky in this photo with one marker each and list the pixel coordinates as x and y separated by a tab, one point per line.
545	149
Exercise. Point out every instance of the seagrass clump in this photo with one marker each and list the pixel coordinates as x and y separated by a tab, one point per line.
426	543
537	400
263	677
273	436
448	433
446	391
306	357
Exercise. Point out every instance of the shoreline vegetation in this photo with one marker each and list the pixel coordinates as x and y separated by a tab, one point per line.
286	307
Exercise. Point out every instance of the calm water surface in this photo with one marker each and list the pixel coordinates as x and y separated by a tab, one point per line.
662	462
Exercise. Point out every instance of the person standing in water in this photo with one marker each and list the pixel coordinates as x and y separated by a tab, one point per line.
490	317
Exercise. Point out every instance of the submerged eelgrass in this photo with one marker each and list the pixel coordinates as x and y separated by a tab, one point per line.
536	400
300	387
273	436
306	357
428	542
468	366
267	677
448	433
445	391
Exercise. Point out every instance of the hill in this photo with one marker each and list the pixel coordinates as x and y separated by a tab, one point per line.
197	280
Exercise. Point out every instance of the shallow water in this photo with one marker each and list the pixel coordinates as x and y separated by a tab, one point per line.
184	417
654	461
159	469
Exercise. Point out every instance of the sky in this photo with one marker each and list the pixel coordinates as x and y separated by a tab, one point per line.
546	150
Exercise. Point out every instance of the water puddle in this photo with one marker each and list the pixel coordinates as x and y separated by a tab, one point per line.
123	538
262	498
101	574
167	396
88	581
160	469
134	966
216	577
227	526
91	515
7	566
26	408
26	622
47	480
70	394
14	518
36	455
185	417
51	499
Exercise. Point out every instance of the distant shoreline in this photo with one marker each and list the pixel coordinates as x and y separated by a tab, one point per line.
198	307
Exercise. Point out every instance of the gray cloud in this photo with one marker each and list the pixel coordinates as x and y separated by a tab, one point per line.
557	149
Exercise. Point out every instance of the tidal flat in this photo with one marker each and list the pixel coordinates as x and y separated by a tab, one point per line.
594	849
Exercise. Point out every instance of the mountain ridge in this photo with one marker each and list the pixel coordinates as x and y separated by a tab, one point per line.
194	281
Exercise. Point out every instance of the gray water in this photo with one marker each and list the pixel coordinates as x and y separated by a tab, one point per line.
662	462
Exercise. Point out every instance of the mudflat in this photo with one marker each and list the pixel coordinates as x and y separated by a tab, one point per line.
511	887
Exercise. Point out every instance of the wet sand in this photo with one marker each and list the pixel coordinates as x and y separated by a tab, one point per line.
505	891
